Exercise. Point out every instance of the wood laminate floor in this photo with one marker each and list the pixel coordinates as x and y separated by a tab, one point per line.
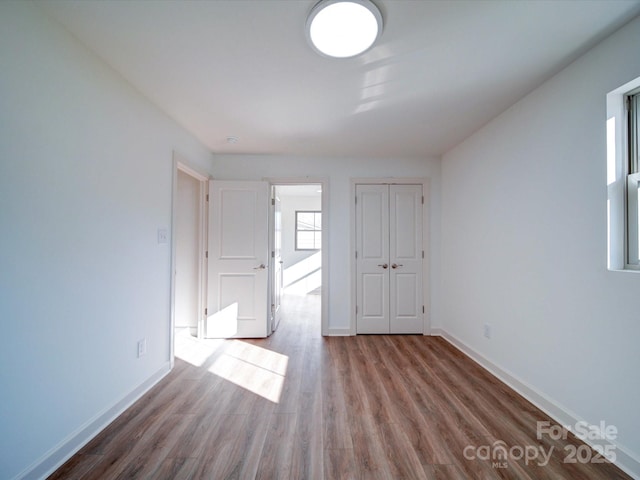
300	406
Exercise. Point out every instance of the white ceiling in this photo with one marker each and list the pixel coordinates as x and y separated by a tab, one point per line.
243	68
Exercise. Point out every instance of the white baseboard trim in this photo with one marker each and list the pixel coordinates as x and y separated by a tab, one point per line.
192	330
54	458
625	460
339	332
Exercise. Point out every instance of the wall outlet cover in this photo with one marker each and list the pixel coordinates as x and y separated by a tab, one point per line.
163	235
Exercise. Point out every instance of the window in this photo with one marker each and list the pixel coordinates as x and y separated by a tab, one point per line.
633	182
308	230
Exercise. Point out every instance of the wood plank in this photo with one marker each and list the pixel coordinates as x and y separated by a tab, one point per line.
340	464
176	469
277	453
337	434
78	466
368	449
307	456
151	452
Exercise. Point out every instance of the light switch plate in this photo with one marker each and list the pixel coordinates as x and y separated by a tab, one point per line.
163	235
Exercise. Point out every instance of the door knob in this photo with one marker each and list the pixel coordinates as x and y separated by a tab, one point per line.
396	265
260	267
383	265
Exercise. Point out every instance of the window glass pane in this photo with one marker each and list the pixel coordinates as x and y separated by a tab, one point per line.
308	230
634	133
633	219
305	221
305	240
634	222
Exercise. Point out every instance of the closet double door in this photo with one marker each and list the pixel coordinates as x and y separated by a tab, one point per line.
389	256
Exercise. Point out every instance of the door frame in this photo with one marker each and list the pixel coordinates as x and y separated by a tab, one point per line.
180	163
324	251
426	242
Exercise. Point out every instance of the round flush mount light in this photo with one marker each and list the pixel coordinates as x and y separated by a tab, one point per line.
343	28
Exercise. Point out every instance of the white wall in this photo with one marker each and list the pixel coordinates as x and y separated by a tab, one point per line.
85	182
339	172
524	246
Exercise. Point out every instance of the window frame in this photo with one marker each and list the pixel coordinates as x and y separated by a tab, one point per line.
632	184
314	231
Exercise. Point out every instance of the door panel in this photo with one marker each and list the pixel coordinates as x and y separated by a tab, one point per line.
240	290
238	254
374	317
405	295
372	238
405	205
374	216
237	208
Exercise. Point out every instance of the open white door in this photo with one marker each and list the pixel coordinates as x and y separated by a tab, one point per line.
238	259
276	259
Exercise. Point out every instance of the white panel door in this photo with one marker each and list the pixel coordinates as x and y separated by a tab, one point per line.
405	259
389	286
238	259
372	263
276	260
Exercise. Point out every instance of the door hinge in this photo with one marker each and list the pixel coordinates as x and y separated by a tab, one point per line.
422	253
207	197
206	311
356	199
273	254
422	308
206	254
273	201
356	254
422	199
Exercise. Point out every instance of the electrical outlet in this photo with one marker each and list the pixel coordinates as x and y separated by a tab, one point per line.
487	330
142	347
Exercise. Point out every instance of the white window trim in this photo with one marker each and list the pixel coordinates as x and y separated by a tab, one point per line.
619	229
298	249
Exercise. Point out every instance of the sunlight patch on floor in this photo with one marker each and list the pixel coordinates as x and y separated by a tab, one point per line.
253	368
194	351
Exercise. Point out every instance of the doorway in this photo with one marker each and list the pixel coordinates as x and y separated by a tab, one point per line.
246	284
298	237
189	245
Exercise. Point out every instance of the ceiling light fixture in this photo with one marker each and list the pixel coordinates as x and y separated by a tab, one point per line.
343	28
